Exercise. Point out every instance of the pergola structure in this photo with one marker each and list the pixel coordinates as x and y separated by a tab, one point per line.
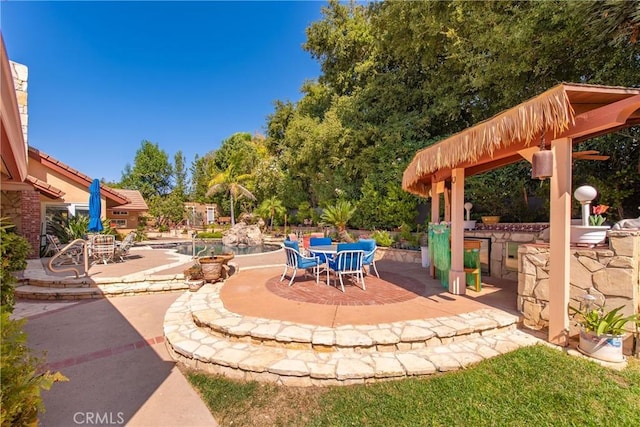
564	115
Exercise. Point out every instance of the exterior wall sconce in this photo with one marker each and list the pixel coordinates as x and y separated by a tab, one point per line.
542	162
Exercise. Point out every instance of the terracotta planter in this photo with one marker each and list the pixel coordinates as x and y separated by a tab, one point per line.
211	268
214	267
226	257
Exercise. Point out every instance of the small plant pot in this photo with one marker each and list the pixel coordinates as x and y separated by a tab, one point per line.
488	220
194	285
604	347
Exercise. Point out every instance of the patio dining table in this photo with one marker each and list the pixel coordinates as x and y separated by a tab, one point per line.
329	251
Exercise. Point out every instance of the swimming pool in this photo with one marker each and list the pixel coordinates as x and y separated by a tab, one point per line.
216	247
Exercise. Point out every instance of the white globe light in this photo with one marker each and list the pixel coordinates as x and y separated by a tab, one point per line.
468	206
585	193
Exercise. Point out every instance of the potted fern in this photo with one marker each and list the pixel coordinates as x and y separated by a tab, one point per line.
602	332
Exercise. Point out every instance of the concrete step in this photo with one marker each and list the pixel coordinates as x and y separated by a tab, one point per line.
87	291
201	334
219	322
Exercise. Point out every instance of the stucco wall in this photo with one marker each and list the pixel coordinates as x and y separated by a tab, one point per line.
74	192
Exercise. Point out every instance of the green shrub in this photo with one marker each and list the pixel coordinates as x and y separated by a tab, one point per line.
21	383
209	235
141	233
22	379
382	238
14	250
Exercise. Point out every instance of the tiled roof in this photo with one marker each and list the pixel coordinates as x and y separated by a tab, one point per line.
75	175
44	188
136	203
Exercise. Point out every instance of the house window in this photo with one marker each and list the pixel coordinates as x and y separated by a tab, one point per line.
211	215
119	223
61	212
121	213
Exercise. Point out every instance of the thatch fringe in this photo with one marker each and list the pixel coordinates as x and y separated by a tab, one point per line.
549	111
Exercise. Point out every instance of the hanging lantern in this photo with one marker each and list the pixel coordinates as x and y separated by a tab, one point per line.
542	162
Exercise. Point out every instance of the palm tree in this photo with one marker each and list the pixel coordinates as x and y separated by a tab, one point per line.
271	207
339	215
227	182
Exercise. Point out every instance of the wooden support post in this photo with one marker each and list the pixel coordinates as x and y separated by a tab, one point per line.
457	276
435	215
560	229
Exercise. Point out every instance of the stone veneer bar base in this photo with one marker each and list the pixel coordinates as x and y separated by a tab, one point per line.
202	335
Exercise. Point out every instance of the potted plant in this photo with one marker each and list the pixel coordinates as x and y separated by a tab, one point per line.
214	267
194	277
602	332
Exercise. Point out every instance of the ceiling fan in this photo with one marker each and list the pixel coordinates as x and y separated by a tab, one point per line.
588	155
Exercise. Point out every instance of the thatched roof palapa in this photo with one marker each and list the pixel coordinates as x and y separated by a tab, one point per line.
550	111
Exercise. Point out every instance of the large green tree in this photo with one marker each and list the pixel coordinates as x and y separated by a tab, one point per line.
180	175
228	182
271	208
399	76
151	173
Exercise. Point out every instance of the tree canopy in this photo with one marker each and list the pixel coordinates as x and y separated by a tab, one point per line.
399	76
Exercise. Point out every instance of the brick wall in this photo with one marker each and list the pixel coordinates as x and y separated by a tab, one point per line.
22	208
30	207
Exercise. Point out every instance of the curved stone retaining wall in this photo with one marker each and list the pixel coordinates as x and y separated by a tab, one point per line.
400	255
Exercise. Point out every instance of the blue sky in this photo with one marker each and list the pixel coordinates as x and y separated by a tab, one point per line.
103	76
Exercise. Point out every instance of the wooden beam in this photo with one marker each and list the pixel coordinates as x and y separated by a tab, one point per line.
603	118
485	167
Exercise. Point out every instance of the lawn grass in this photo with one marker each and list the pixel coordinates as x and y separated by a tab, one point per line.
536	386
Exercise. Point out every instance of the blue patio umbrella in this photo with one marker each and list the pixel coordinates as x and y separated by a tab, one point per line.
95	223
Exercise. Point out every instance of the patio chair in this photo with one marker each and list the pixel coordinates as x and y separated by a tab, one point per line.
122	250
66	255
348	262
320	241
103	248
369	246
295	260
306	239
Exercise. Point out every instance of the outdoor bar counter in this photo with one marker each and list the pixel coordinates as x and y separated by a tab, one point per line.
500	243
609	271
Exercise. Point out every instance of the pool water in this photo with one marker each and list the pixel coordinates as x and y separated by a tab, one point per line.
212	248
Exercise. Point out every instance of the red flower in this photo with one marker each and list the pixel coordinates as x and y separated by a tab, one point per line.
600	209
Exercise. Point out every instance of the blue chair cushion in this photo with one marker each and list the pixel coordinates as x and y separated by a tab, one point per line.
292	244
348	262
368	245
319	241
307	262
350	247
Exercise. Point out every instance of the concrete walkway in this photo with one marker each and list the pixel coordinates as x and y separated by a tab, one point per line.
113	349
113	352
